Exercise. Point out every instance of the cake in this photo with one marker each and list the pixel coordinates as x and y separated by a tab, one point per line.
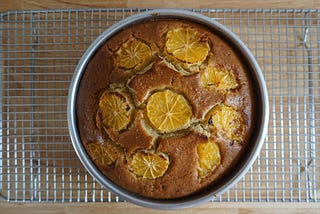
165	108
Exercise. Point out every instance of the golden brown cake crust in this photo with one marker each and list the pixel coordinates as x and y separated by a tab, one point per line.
161	77
102	73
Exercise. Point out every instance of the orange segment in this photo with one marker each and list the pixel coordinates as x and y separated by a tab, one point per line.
102	155
115	110
149	165
132	54
208	158
218	78
226	121
187	45
168	111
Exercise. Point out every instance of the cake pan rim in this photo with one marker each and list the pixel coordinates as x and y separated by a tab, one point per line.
80	68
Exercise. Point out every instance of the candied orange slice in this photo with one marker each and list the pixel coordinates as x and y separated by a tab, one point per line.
133	53
187	45
102	155
150	165
219	78
168	111
225	120
208	158
115	110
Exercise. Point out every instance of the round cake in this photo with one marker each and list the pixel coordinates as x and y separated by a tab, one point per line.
165	108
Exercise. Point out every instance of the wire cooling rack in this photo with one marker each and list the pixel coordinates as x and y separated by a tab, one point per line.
40	49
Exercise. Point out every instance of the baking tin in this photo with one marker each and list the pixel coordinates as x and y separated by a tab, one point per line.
260	128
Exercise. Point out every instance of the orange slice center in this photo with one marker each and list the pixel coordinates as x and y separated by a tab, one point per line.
168	111
149	165
187	45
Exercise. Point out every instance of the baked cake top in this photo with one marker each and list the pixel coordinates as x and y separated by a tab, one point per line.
165	108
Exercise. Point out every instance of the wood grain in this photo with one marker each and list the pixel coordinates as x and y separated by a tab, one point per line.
223	4
116	208
6	5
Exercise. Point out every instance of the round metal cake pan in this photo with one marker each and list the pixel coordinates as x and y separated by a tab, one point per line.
249	156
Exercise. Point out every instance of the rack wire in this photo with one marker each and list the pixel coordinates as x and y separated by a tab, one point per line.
40	49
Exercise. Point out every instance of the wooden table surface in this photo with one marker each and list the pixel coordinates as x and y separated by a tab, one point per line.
6	5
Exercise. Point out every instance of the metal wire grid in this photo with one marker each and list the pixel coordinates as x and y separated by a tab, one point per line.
40	49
